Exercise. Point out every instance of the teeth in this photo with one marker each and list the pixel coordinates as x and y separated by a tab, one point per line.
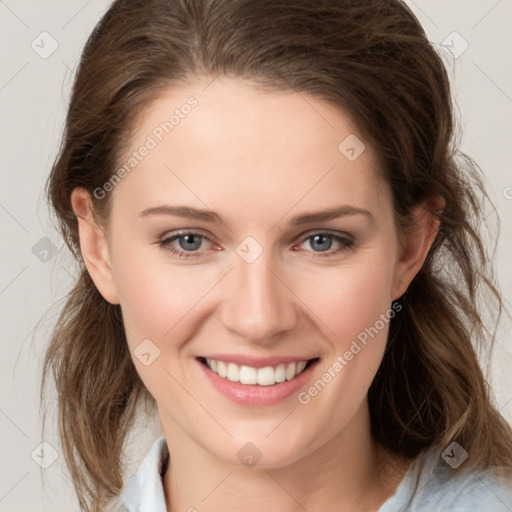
300	367
290	371
248	375
233	372
267	376
222	369
280	373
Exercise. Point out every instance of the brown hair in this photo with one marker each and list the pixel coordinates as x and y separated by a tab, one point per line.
369	58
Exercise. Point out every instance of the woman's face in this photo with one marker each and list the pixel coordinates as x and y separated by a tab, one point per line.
254	231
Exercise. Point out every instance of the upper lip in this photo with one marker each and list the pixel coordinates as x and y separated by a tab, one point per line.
256	362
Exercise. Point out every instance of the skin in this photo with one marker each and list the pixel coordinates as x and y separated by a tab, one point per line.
257	159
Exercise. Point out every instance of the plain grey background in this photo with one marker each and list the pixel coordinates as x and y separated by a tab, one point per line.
41	42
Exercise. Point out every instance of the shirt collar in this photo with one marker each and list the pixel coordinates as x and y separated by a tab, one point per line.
144	491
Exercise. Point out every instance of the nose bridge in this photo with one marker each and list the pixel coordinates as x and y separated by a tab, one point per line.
257	305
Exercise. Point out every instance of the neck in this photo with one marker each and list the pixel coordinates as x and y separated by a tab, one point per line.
336	476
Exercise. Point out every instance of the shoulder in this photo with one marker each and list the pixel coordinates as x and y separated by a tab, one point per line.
431	484
144	490
470	491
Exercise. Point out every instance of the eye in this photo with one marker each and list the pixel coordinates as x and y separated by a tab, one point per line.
191	244
187	244
323	243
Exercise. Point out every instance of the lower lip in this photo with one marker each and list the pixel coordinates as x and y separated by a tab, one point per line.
253	395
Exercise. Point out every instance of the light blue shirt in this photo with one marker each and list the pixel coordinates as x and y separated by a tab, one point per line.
475	491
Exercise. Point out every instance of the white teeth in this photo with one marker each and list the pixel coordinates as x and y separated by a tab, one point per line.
233	372
267	376
222	369
290	371
248	375
280	373
300	367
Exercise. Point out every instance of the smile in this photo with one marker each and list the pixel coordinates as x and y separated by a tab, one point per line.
256	381
247	375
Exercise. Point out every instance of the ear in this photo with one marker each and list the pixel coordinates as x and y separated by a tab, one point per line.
415	244
93	245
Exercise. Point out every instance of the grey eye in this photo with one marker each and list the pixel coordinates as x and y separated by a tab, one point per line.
321	243
190	242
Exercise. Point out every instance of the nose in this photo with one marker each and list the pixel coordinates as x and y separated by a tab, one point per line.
257	303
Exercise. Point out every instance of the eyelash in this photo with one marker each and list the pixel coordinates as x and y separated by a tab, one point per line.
346	242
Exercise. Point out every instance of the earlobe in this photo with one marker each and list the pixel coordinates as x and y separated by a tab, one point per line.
93	246
417	242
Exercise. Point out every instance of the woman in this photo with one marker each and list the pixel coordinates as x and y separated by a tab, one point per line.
278	252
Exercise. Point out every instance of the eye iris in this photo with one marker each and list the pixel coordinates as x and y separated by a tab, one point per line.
190	242
321	242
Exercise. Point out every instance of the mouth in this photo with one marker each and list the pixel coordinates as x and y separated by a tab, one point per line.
257	382
250	376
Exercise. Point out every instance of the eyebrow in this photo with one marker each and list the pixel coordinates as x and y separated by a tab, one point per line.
210	216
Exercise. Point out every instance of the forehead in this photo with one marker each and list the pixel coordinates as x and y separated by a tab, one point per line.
233	145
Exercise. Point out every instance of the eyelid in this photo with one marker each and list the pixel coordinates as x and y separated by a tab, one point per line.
183	232
312	232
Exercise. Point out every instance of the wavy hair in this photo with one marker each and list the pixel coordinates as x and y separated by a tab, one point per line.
370	58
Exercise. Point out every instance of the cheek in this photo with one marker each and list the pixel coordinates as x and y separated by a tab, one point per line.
347	301
356	307
156	297
160	306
